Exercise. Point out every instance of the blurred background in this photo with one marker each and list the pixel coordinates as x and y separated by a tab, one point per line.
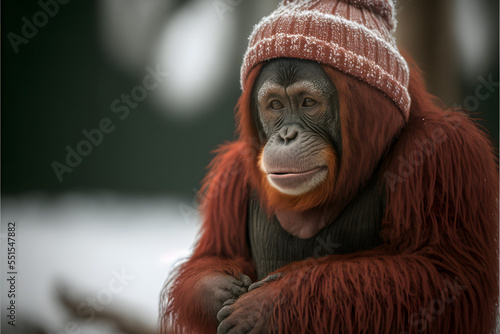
109	112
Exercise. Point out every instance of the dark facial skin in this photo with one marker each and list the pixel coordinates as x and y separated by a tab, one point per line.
298	113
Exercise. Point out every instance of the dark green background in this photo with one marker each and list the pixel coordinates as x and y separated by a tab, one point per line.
61	83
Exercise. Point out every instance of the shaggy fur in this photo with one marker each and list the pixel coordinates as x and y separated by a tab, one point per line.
437	271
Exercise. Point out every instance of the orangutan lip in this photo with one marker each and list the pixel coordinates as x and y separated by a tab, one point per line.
286	175
296	180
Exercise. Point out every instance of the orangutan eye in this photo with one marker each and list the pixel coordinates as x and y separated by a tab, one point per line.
276	105
308	102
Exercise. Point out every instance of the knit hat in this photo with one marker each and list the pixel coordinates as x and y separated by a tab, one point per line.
354	36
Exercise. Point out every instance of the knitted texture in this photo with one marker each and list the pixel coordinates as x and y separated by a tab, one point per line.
354	36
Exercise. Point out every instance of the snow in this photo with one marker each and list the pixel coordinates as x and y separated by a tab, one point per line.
83	242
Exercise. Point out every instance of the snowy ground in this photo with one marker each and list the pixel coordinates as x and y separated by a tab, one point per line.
81	244
109	253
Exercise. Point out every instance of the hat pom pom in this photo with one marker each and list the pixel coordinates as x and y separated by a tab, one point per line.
383	8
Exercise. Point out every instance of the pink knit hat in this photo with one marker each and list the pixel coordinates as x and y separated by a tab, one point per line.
354	36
